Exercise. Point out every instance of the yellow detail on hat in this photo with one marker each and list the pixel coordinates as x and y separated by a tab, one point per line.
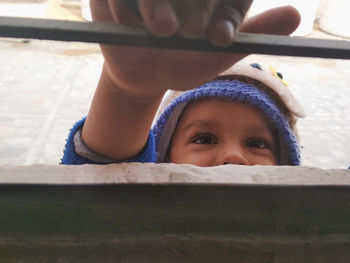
274	72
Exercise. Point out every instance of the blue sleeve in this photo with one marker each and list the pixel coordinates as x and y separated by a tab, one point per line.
70	157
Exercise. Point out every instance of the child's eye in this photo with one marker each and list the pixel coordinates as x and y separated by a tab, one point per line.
204	139
258	143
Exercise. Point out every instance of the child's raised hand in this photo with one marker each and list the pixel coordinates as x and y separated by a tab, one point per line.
147	72
134	80
219	20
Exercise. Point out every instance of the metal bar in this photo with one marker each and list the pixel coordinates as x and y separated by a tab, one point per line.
107	33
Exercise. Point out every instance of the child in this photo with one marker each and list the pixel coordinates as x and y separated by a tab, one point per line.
245	116
200	132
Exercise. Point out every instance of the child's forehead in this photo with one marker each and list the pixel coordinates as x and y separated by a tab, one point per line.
214	114
216	108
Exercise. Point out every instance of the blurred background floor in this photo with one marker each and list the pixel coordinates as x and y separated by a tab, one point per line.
46	86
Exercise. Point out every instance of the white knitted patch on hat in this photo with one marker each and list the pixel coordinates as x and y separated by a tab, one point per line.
266	77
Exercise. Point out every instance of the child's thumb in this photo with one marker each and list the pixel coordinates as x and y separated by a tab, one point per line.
279	21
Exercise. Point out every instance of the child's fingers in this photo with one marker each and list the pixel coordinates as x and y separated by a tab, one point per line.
121	12
194	16
159	16
100	11
226	20
281	20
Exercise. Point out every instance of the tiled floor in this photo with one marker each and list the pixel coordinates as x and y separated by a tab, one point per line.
44	88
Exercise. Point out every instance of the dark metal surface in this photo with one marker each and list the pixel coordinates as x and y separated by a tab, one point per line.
174	209
153	223
138	36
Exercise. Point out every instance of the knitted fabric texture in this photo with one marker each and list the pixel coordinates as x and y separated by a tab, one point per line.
232	91
70	156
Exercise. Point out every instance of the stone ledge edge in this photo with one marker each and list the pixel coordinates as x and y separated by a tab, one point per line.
137	173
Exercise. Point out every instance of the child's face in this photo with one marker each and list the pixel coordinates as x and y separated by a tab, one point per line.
215	132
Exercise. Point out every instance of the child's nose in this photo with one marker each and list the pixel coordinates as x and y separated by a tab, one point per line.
233	155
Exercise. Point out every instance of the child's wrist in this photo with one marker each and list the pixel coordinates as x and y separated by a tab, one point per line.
129	92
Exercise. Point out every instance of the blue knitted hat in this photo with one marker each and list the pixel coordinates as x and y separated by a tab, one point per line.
240	89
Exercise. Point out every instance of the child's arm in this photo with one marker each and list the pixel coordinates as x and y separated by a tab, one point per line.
134	80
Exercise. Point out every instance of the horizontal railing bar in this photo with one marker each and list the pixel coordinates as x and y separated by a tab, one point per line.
108	33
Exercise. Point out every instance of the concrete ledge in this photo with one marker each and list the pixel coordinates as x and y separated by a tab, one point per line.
174	213
171	174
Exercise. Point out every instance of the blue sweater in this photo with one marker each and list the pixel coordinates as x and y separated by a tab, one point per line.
70	156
